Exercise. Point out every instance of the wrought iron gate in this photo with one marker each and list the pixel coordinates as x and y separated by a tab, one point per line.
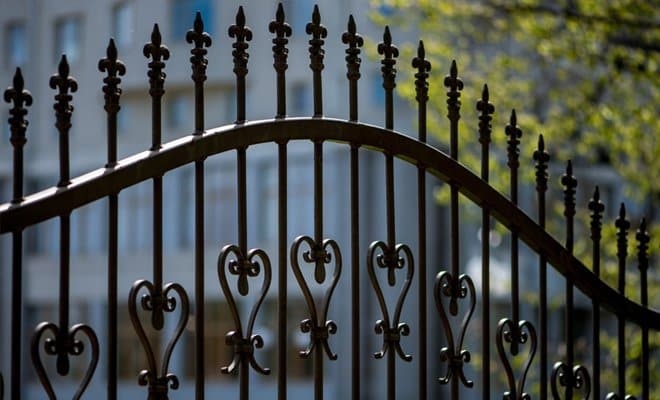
238	265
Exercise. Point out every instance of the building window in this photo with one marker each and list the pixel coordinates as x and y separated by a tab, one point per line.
183	14
68	35
16	44
122	24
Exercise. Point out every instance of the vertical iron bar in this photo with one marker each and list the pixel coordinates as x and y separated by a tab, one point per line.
597	209
569	181
242	199
243	34
455	85
316	55
643	239
353	61
20	98
198	65
514	133
422	87
541	157
282	30
318	192
282	273
355	273
487	109
318	372
65	248
622	226
112	92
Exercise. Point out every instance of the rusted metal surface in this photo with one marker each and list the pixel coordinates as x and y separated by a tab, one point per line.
388	261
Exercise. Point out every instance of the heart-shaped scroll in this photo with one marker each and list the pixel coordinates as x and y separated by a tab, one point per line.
508	332
577	378
243	266
158	381
391	259
317	324
62	344
454	289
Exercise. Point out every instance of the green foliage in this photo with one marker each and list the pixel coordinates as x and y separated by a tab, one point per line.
585	73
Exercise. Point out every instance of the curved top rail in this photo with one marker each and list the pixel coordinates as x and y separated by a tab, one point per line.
142	166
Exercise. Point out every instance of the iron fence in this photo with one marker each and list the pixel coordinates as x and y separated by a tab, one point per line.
452	290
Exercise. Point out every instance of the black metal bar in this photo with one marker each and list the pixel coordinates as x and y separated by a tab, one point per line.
423	67
570	183
282	273
318	192
112	93
622	225
389	53
355	273
243	35
353	61
541	157
597	208
20	98
455	85
316	55
282	30
241	163
198	65
643	240
514	133
486	109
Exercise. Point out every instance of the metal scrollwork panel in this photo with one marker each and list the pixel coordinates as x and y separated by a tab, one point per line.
508	332
455	289
577	378
317	325
158	301
391	259
244	266
62	344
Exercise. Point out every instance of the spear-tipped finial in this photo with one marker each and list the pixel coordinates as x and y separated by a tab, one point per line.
63	111
454	85
20	99
542	158
514	134
354	42
570	183
643	240
487	109
201	39
389	53
114	69
597	208
158	53
280	28
242	34
318	32
423	67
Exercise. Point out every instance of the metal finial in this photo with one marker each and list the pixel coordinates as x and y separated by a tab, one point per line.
114	69
20	98
282	31
542	158
63	111
421	76
622	225
643	240
318	32
200	39
570	183
242	34
514	133
596	207
354	42
158	53
487	109
389	53
455	85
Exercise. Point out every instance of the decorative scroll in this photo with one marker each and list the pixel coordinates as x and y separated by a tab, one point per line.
317	325
62	343
244	267
453	354
391	260
158	380
564	376
509	333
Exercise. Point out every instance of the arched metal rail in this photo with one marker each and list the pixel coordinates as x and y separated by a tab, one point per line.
103	182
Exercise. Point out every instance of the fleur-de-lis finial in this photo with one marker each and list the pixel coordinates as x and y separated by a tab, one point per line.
200	39
643	240
570	183
455	85
487	109
114	69
242	34
514	133
354	42
282	31
158	53
596	207
421	77
63	111
542	158
20	99
622	225
318	32
389	53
